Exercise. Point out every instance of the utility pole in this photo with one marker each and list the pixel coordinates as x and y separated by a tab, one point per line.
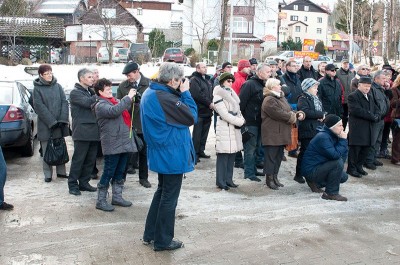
384	35
230	32
351	32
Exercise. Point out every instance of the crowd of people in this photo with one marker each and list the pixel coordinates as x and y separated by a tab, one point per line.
255	111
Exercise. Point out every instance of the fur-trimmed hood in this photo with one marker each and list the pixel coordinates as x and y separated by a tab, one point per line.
229	95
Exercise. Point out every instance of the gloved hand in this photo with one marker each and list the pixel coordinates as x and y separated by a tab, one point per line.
55	126
376	117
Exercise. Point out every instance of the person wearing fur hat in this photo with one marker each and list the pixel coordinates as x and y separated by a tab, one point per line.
277	120
324	159
228	136
310	104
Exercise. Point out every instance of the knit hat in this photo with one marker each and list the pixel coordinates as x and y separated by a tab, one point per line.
225	64
331	120
365	80
130	67
253	61
308	83
243	64
226	76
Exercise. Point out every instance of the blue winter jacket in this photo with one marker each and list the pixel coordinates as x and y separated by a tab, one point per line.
324	147
166	116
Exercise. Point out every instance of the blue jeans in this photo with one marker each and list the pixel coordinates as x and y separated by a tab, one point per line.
160	221
114	167
3	175
329	175
250	152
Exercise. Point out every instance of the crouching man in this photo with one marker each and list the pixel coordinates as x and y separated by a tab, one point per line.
324	159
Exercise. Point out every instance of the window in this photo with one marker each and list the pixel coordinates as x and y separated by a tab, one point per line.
294	18
306	8
319	31
108	12
297	39
240	25
297	29
305	18
319	19
140	11
295	7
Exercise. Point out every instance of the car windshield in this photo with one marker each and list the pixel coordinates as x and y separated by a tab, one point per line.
123	51
6	94
173	51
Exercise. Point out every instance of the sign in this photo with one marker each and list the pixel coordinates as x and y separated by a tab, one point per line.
375	44
282	15
312	55
308	45
269	38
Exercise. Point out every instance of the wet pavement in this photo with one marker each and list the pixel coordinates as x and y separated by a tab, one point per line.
248	225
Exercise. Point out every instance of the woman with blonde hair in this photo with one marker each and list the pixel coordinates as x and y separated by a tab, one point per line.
277	120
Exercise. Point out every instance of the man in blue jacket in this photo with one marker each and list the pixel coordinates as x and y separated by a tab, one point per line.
167	111
323	161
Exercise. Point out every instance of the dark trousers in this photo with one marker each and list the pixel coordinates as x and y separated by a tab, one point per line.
200	134
375	148
224	169
160	221
329	175
345	116
303	146
142	161
385	136
99	154
82	162
357	157
272	159
114	167
239	159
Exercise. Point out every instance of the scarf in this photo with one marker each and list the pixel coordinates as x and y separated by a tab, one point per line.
125	114
317	102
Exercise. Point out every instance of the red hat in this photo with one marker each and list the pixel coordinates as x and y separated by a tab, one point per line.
243	64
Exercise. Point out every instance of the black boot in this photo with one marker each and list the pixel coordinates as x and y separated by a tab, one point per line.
270	182
276	181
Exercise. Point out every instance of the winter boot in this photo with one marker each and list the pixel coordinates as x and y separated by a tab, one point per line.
117	199
270	182
101	203
276	181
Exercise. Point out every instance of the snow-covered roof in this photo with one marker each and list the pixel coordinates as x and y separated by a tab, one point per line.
58	6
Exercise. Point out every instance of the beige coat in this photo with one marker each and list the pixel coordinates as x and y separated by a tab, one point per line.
226	104
277	119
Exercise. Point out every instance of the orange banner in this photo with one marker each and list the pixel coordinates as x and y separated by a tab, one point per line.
308	45
312	55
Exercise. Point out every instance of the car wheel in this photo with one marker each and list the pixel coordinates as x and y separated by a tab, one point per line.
29	148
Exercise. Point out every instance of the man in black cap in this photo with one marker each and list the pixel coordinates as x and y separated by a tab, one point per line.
324	159
363	114
253	68
330	91
226	67
135	79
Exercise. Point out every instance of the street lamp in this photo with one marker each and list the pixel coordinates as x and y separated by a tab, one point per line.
90	48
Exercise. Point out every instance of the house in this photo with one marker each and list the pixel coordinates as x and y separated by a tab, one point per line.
106	24
69	10
302	19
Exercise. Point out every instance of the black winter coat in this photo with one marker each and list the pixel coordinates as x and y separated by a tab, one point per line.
294	86
362	119
201	90
330	93
307	73
251	99
308	126
380	99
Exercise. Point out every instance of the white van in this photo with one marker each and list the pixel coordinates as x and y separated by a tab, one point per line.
102	55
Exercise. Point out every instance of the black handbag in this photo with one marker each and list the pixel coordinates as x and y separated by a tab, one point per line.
246	134
138	141
56	152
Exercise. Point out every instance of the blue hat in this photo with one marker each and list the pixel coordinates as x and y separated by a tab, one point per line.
308	83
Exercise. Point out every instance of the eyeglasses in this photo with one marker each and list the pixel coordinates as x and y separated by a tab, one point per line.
48	73
229	81
364	69
333	70
307	61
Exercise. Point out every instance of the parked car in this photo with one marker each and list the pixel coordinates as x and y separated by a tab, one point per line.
122	55
175	54
282	55
18	120
139	52
321	58
103	57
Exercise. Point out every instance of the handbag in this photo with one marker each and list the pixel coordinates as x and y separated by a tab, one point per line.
138	141
294	139
246	134
56	151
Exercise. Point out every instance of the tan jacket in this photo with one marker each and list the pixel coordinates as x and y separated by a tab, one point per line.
226	104
277	119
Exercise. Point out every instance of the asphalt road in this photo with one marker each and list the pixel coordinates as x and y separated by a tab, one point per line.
248	225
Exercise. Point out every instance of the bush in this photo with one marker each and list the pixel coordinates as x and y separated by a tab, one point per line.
4	61
194	59
26	61
189	51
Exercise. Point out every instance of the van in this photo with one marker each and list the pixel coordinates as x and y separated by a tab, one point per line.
102	55
139	52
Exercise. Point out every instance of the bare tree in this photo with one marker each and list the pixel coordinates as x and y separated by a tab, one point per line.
224	11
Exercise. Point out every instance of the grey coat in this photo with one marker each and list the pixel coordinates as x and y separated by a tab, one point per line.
84	124
51	107
114	133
